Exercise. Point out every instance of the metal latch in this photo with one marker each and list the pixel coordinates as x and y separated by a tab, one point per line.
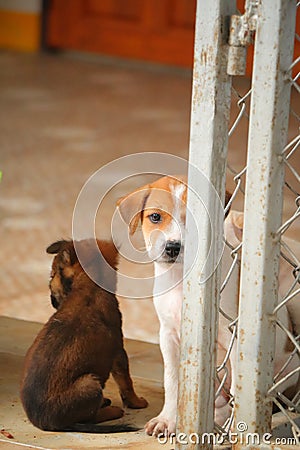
242	28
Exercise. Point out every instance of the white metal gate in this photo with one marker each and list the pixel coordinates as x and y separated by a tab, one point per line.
266	253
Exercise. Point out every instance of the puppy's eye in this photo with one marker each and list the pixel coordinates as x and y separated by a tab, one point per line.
155	218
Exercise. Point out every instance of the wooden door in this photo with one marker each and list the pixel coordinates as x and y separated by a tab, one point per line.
153	30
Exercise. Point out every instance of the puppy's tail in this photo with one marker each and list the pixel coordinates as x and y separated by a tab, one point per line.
102	429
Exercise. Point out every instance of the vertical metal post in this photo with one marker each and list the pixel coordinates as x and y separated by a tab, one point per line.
263	210
208	152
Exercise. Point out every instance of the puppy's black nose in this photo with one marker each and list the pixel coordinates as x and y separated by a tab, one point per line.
173	248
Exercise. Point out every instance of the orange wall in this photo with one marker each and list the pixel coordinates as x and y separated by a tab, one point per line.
19	30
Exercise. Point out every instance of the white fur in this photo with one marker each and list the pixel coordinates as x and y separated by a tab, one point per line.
168	308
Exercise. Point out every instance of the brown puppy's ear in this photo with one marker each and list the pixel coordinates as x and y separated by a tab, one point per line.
56	247
66	248
227	200
69	256
131	206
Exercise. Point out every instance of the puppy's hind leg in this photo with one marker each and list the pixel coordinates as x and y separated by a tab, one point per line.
82	402
120	372
92	406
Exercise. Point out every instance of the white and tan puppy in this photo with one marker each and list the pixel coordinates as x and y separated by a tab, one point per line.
161	208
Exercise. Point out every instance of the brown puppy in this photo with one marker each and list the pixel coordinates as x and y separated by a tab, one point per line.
82	343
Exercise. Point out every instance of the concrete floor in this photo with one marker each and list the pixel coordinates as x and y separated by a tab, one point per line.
62	119
145	361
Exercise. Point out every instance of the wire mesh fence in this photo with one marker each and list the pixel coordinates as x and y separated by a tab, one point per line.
286	314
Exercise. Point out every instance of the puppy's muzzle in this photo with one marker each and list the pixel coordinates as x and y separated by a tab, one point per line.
172	249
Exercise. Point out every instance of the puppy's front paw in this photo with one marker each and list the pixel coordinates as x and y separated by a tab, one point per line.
160	425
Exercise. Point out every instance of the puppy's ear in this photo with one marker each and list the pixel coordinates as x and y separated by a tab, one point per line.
131	207
56	247
227	202
68	256
66	248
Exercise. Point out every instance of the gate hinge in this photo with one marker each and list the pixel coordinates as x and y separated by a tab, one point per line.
242	28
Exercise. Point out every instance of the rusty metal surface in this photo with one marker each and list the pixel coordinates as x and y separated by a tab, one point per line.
208	152
263	211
